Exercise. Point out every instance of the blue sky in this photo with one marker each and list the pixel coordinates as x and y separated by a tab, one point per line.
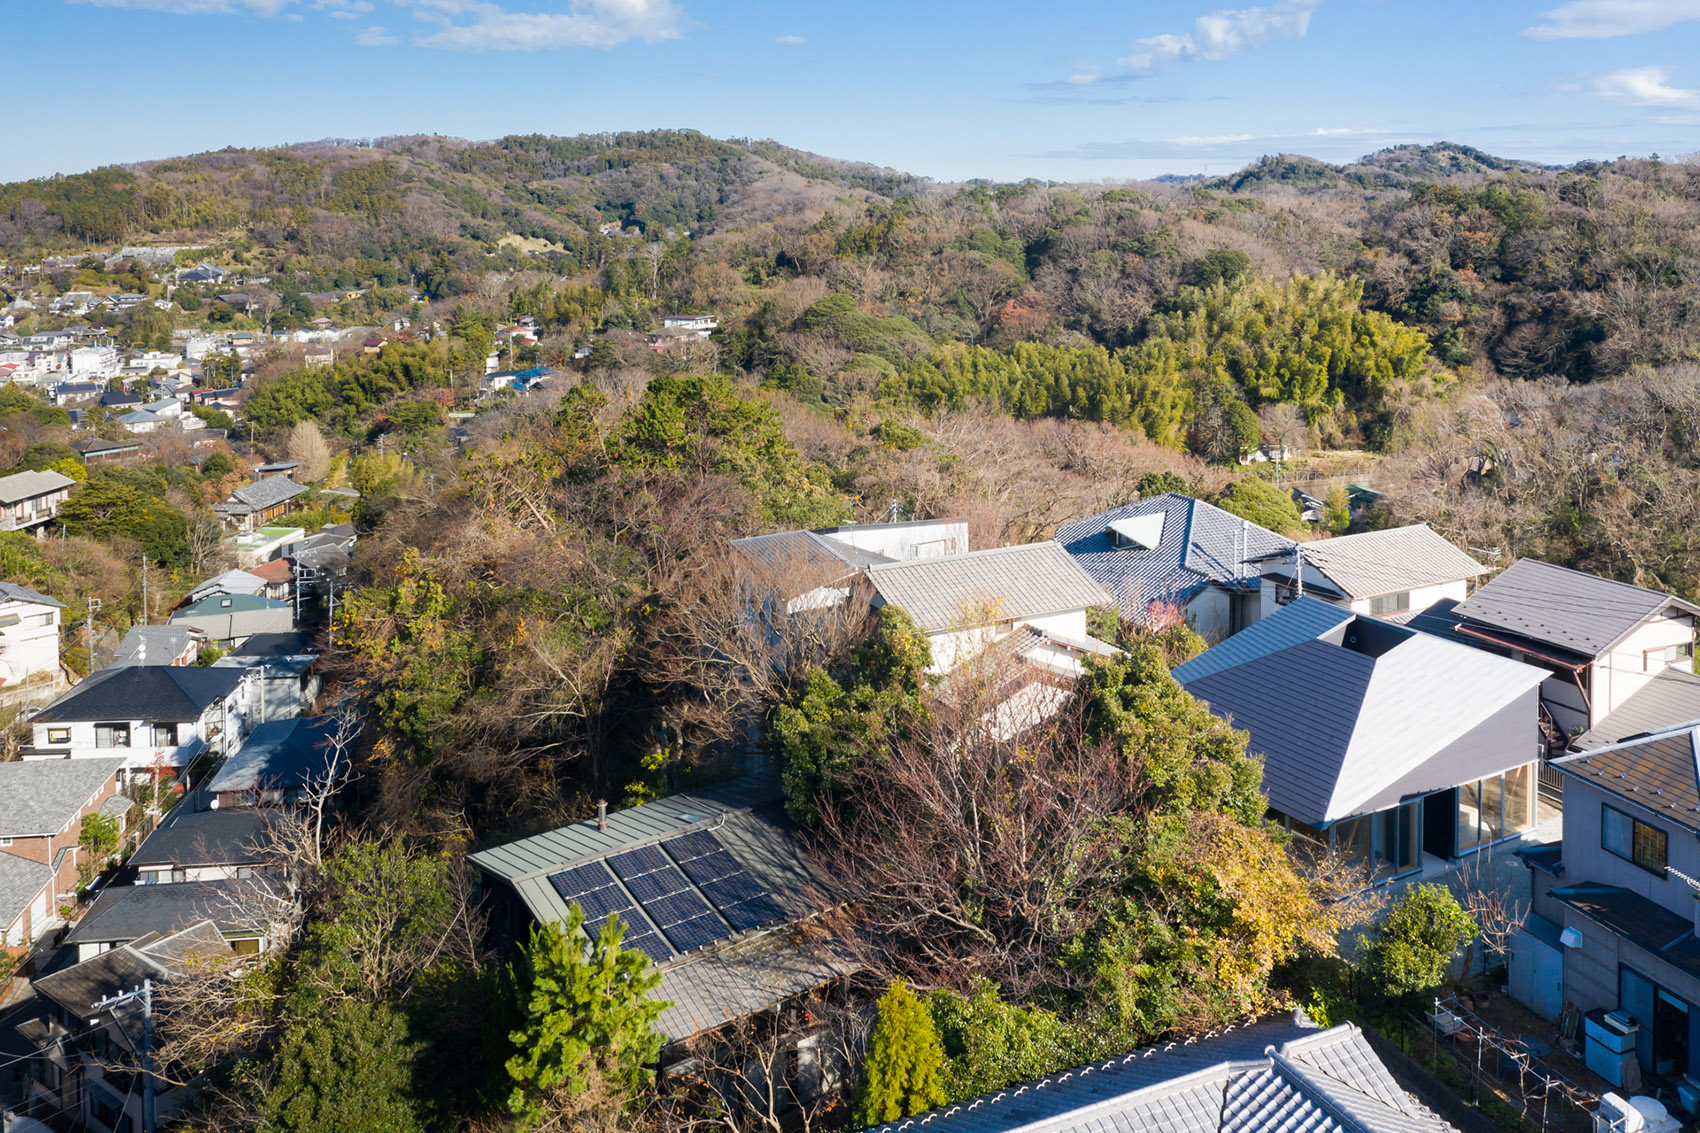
1082	90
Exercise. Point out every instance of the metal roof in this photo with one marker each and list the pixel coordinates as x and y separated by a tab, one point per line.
1390	561
157	645
1358	716
1660	773
1200	545
21	881
39	796
229	836
981	587
1581	613
227	604
1303	619
1640	920
1274	1076
805	549
151	693
1669	699
260	495
12	592
22	486
126	912
281	754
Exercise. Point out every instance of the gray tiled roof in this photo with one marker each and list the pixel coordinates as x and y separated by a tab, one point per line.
1672	697
1361	714
39	796
260	495
12	592
1386	562
24	485
1660	772
152	693
153	645
987	586
1579	613
1200	545
21	881
124	967
126	912
1271	1077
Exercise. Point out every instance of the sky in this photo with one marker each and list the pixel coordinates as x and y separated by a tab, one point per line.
1076	90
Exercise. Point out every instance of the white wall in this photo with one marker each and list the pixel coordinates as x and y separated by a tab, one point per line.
32	646
1422	597
952	647
1210	614
1623	672
905	541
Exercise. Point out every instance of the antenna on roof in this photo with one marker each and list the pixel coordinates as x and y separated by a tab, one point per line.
894	513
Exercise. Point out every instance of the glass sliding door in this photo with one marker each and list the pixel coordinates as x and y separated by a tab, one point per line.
1469	816
1520	799
1493	811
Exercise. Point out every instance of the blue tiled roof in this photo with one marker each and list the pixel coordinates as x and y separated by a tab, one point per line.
1201	545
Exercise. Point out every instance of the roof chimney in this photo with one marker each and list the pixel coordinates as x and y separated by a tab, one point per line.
601	814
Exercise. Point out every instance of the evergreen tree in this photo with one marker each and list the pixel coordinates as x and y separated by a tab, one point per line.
1338	514
588	1018
346	1065
1416	941
905	1061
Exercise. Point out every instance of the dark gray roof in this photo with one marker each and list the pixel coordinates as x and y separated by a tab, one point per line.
151	693
124	967
21	880
126	912
1660	772
1361	714
1274	1076
39	796
228	836
156	645
1200	545
987	586
260	495
1672	697
1579	613
1387	562
1303	619
282	753
295	644
12	592
1640	920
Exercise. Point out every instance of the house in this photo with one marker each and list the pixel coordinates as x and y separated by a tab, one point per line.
1399	571
99	450
713	884
82	1062
1602	641
67	394
29	636
230	582
153	716
281	763
1672	697
1614	905
42	805
1173	550
159	645
1386	745
253	505
289	468
278	576
118	400
284	666
141	421
239	908
234	618
264	544
29	500
319	357
192	845
812	569
1312	509
202	272
1271	1074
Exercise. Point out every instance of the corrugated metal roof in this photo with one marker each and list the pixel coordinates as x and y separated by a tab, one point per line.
1344	716
39	796
982	587
1387	562
1201	544
1672	697
1553	605
1660	772
1271	1077
282	754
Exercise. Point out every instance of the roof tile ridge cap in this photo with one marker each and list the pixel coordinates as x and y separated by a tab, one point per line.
1298	1074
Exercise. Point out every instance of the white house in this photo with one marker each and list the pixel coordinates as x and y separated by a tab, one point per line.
31	499
703	325
1387	574
29	635
96	361
152	715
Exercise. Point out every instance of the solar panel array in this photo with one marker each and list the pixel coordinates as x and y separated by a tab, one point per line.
657	881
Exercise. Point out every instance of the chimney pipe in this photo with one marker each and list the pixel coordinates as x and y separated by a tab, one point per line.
601	814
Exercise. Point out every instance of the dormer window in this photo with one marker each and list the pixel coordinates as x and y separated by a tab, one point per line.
1139	532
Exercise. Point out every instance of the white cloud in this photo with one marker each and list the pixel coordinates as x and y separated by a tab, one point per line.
1645	86
376	36
1609	19
196	7
789	40
1083	78
1222	34
477	25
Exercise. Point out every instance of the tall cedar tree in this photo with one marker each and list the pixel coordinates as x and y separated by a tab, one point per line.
905	1061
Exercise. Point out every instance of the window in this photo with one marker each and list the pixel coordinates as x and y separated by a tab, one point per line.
1390	603
44	620
1633	840
1653	660
249	946
165	735
5	841
112	735
58	735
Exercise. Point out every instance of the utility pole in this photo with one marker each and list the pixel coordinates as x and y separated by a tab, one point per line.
144	995
88	629
144	589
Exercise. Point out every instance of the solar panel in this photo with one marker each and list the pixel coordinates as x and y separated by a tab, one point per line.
569	883
636	863
753	913
649	944
711	866
675	907
653	886
696	932
730	890
688	846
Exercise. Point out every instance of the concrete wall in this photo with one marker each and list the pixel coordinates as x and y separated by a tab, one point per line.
1585	860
